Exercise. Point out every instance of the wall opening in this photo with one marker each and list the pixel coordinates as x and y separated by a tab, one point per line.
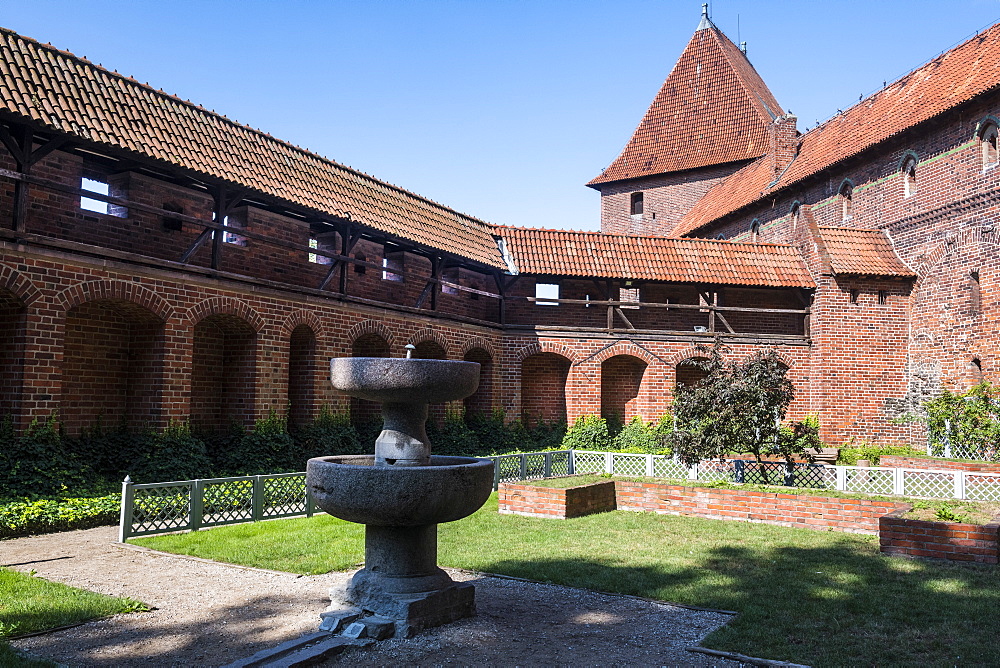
480	404
367	345
112	370
223	370
621	379
302	371
12	338
543	388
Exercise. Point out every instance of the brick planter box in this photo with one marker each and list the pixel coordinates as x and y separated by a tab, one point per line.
897	461
956	541
789	510
559	503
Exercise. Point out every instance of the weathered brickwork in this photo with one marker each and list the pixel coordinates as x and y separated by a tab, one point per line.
897	461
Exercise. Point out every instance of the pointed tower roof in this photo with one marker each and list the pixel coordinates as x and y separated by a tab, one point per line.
713	108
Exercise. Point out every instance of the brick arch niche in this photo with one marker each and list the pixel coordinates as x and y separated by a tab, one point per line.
543	388
621	380
223	372
480	404
112	369
370	344
688	373
302	375
13	319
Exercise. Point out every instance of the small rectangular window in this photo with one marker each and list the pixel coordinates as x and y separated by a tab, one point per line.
392	267
94	186
883	297
546	291
229	237
313	257
854	296
449	276
636	204
629	297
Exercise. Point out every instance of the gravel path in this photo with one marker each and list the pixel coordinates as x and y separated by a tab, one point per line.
208	614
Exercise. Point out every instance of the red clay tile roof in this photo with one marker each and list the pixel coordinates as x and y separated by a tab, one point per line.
862	252
967	71
713	108
591	254
71	95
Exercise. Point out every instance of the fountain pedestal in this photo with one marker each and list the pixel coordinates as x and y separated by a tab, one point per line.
402	493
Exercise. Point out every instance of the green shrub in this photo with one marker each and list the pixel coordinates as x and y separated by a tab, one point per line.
640	437
23	518
453	436
329	434
589	432
969	422
173	454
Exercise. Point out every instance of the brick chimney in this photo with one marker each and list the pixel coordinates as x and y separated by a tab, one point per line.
784	142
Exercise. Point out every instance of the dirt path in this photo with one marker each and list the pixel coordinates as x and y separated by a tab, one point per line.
209	614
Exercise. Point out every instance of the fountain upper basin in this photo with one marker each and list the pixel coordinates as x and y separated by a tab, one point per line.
352	488
394	380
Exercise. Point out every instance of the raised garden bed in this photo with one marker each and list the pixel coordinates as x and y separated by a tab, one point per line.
900	534
561	498
936	464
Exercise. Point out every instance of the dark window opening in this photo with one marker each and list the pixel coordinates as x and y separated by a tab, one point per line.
755	230
635	205
846	201
360	268
909	176
883	297
854	296
392	266
988	139
170	223
975	290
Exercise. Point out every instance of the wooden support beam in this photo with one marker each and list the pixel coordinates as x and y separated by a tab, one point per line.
226	200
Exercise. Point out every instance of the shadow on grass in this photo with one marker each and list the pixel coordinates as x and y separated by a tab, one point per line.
819	606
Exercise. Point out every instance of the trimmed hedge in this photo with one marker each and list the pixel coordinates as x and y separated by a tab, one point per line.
25	518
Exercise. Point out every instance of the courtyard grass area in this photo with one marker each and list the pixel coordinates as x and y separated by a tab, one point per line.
813	597
29	604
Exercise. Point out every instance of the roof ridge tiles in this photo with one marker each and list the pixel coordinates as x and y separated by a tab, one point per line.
233	123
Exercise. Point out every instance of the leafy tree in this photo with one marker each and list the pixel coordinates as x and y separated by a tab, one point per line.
739	407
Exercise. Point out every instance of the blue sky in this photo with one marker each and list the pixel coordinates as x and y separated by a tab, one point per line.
500	109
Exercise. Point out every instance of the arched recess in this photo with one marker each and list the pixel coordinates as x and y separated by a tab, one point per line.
543	388
302	373
223	372
688	373
480	404
621	379
432	342
369	344
13	322
112	369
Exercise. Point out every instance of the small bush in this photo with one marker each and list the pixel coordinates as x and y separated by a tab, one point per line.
329	434
639	437
174	454
589	432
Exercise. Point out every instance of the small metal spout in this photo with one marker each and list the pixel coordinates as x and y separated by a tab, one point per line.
409	350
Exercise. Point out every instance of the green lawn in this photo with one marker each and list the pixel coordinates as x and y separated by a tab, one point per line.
813	597
29	604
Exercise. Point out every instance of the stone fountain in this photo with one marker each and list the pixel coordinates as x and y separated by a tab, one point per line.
401	494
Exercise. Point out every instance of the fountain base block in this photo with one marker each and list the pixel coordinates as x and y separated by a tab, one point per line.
415	611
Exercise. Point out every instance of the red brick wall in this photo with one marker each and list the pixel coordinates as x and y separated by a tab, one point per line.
481	402
791	510
112	369
534	501
543	388
12	335
222	373
955	541
304	371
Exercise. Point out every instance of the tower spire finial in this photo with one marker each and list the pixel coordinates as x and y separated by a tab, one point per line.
705	21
